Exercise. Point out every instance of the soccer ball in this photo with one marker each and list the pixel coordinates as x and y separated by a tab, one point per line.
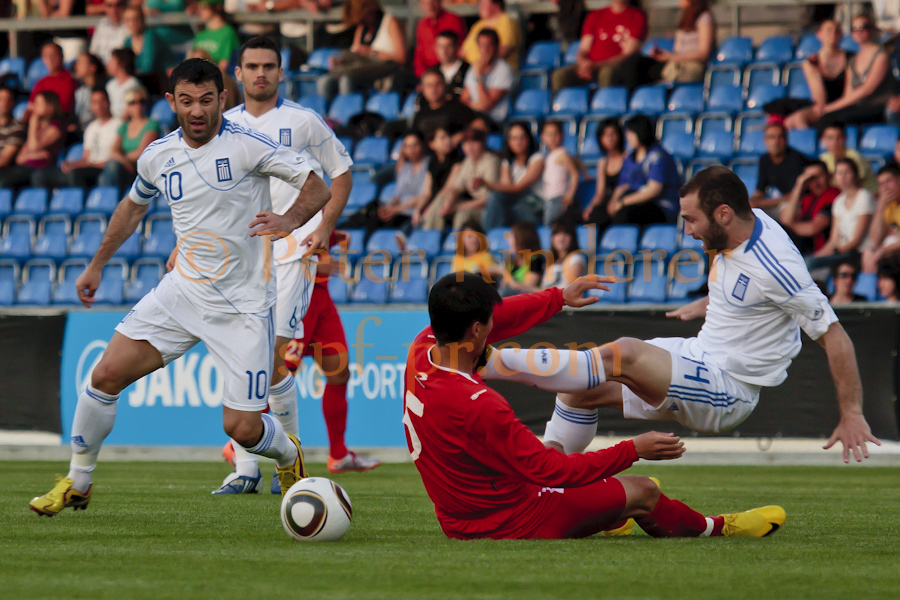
316	509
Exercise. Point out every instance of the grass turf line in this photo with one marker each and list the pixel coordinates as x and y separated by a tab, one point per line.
153	531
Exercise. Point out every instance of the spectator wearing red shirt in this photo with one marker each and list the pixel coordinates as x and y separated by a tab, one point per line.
435	21
806	214
57	80
610	48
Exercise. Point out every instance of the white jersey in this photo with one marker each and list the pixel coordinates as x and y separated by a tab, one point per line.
303	131
215	191
759	298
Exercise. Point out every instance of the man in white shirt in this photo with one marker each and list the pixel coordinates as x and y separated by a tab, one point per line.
215	176
489	80
110	33
99	138
760	296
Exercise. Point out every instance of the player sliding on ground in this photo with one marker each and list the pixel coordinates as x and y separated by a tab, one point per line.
489	476
215	176
760	296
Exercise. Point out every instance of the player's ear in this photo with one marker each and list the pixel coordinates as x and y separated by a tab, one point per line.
280	74
223	96
237	73
171	100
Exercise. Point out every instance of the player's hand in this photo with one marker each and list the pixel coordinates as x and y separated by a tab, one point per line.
573	294
317	241
268	223
853	432
689	312
658	446
87	284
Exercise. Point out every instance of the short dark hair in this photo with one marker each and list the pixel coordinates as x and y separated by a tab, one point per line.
490	33
718	185
776	125
606	124
260	42
500	3
99	89
473	134
126	58
890	169
839	125
643	127
532	146
432	129
97	63
817	162
196	71
416	134
450	35
435	71
456	302
55	45
850	261
556	124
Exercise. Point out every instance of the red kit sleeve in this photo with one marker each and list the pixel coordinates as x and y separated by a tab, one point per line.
500	441
518	314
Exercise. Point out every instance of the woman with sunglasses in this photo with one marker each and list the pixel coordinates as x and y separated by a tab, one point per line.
844	275
135	134
868	85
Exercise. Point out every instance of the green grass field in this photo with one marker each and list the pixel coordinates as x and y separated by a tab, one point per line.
153	531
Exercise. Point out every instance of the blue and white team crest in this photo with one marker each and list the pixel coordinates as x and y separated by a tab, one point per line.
284	137
223	169
740	287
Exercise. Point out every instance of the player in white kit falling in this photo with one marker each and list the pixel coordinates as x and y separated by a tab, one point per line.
215	176
760	296
302	130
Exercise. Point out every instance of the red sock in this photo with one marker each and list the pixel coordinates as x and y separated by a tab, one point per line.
334	408
672	518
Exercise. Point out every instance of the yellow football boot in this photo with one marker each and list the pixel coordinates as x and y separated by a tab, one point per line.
288	476
757	522
61	496
619	531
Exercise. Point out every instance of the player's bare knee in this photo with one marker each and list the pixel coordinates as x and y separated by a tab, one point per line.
107	378
619	356
642	495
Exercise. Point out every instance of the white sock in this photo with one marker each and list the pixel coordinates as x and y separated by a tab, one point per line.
244	463
95	415
275	443
283	404
550	369
571	428
709	528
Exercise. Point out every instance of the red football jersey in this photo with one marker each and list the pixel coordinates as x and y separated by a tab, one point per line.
610	29
486	473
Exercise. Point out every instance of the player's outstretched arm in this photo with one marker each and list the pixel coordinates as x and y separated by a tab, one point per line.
122	224
853	431
312	198
689	312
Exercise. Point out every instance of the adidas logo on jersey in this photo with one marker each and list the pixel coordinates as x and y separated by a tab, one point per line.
170	163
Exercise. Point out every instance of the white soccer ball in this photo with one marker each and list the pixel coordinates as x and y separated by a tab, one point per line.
316	509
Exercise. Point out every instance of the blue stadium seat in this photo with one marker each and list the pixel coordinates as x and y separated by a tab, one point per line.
112	285
848	44
409	106
67	201
589	146
751	121
777	49
660	237
131	248
649	283
570	102
145	275
53	246
734	51
344	107
386	104
533	104
686	279
686	98
448	248
761	74
347	143
37	282
584	192
387	192
717	75
879	139
764	94
19	110
648	100
674	122
338	290
679	144
543	56
90	224
428	241
609	101
797	87
744	166
533	80
571	56
803	141
372	151
440	267
75	152
65	292
726	98
6	204
752	143
162	113
313	102
19	67
750	182
55	224
875	163
613	266
360	195
667	44
159	244
697	165
414	291
31	201
16	246
20	224
619	237
36	70
318	59
586	236
716	144
102	199
9	277
545	235
367	291
383	239
495	142
808	45
497	239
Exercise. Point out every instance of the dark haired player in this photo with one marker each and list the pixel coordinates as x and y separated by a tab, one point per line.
488	475
215	176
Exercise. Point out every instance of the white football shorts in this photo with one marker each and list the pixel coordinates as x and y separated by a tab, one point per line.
702	397
294	287
242	344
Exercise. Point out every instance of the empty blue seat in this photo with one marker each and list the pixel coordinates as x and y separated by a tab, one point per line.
111	290
52	246
159	245
745	166
145	276
495	142
648	100
752	143
37	282
313	102
19	67
750	182
386	104
6	203
337	289
609	101
20	224
533	80
797	87
686	98
66	292
808	45
803	141
55	224
734	51
130	248
879	139
31	201
90	224
103	199
762	74
162	113
532	104
649	283
660	237
613	266
75	152
570	102
571	56
585	192
319	58
16	246
619	237
372	151
19	110
413	291
586	236
726	98
848	44
36	70
67	201
367	291
347	143
777	49
686	279
764	94
383	239
440	267
751	121
544	56
9	277
449	245
356	245
590	147
717	75
716	144
679	144
360	195
409	106
498	239
344	107
674	122
425	240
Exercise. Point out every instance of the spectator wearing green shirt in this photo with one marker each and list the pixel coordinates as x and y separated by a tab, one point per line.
134	135
152	55
219	38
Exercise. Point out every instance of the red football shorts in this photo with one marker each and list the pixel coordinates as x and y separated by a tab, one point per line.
322	329
583	511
